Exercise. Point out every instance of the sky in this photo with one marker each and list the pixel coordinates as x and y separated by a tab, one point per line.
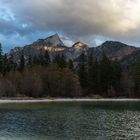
89	21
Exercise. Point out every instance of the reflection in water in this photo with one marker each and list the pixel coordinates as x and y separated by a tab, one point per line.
70	121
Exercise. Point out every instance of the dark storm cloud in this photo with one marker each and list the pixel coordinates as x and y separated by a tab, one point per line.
80	19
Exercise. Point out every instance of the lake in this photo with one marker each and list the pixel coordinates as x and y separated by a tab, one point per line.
70	121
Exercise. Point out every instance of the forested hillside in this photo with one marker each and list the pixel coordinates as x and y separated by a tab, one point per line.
43	77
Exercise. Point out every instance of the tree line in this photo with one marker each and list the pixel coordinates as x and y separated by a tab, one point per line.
102	77
43	77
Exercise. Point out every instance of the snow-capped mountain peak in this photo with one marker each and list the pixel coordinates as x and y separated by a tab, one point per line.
79	45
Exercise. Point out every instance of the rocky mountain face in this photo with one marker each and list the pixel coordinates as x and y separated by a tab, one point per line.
75	51
114	50
118	51
52	41
53	45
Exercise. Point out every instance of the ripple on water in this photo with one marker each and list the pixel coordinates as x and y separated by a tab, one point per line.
70	121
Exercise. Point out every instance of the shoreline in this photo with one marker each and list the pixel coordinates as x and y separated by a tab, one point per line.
57	100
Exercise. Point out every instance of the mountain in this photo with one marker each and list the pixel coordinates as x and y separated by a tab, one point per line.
126	54
128	60
79	45
75	51
114	50
52	41
53	45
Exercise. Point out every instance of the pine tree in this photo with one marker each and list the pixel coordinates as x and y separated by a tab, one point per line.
93	75
136	76
70	65
116	75
46	58
82	72
5	65
60	61
40	59
63	63
90	73
105	75
22	62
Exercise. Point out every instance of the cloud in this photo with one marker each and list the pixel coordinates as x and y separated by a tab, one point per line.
80	19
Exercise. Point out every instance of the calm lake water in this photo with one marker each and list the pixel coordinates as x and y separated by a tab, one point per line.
70	121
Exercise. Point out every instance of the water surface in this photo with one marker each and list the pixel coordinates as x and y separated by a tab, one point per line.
70	121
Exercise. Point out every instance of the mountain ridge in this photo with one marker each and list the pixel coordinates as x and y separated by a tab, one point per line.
55	46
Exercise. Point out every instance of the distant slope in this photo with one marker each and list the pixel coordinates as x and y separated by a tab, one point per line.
114	50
